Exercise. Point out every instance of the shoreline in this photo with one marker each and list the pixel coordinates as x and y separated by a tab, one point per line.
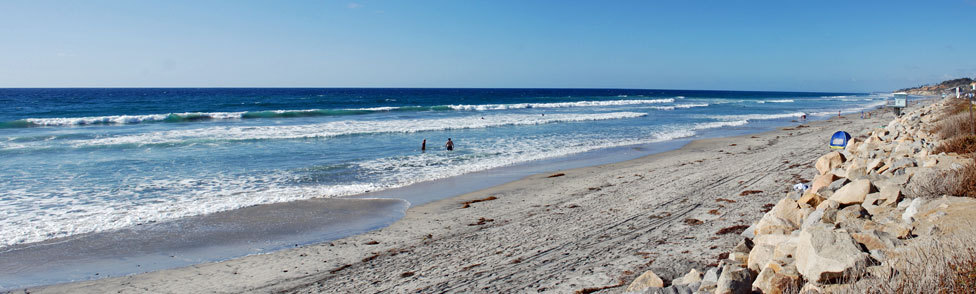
271	271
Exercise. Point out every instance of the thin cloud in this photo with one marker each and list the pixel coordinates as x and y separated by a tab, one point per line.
354	5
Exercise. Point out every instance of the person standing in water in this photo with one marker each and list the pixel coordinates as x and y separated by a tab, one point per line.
449	145
423	146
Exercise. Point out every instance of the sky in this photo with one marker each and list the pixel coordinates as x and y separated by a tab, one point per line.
845	46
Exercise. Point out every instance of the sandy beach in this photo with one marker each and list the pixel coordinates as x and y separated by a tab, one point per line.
560	232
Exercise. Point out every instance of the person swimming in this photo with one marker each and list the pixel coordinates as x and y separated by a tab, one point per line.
449	145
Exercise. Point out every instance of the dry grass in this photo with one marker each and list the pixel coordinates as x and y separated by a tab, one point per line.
929	266
960	182
963	145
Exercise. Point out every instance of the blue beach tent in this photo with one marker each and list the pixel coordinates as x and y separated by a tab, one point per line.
839	140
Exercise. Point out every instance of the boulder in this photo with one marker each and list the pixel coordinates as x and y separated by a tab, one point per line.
734	280
744	246
822	181
824	255
646	280
850	217
890	195
689	278
874	240
810	198
852	193
835	185
763	250
783	218
829	162
912	209
777	281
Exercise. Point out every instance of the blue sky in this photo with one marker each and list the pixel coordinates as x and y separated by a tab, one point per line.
731	45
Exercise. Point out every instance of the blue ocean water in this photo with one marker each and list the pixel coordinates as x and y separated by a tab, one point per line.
78	161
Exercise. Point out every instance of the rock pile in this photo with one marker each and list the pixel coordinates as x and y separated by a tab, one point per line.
852	221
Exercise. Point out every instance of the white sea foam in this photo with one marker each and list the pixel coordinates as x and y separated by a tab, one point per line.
775	101
347	127
678	106
757	116
483	107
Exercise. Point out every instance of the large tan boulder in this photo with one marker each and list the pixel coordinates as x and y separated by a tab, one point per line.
821	181
783	218
646	280
763	250
810	198
778	279
823	254
852	193
691	277
829	162
872	239
890	195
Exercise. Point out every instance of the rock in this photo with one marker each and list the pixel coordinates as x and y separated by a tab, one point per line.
835	185
856	173
890	195
824	255
811	198
852	216
874	240
763	250
815	217
873	164
852	193
689	278
784	280
739	257
711	275
734	280
821	181
744	246
750	232
829	162
903	163
783	218
909	215
646	280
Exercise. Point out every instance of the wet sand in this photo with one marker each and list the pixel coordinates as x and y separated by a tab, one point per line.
554	232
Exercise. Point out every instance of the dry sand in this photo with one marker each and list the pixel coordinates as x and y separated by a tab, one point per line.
589	227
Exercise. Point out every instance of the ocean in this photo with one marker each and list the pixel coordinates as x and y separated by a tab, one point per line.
82	161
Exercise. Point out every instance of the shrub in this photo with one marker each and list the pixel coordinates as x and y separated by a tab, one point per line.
953	126
960	182
963	145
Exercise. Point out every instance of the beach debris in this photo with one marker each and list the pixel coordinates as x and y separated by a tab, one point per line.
467	204
693	221
737	229
750	192
372	242
338	269
406	274
482	221
556	175
724	200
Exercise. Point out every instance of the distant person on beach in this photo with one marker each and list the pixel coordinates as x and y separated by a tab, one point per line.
449	145
423	146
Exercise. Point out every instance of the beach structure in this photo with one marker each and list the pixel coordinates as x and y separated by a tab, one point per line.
901	101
